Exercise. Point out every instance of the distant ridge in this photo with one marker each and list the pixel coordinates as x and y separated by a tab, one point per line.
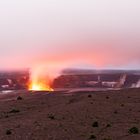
93	71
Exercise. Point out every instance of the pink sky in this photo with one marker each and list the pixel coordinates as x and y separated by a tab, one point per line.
76	33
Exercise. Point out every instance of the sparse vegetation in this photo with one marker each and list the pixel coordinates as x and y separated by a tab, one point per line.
108	125
92	137
6	116
8	132
89	95
133	130
115	112
19	98
107	97
95	124
122	105
63	118
14	111
51	116
90	121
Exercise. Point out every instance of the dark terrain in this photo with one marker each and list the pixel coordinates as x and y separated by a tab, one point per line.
98	79
106	115
115	79
78	112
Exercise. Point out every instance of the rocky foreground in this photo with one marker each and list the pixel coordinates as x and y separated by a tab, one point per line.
106	115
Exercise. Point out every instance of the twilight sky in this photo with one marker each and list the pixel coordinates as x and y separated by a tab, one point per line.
70	33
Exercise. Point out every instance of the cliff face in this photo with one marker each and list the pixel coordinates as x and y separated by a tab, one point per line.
115	80
14	80
94	79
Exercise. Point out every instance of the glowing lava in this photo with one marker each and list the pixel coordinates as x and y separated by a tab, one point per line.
39	87
39	82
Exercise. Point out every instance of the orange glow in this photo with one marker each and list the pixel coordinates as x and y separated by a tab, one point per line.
39	82
39	87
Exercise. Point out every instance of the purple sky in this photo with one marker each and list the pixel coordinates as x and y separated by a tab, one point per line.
70	33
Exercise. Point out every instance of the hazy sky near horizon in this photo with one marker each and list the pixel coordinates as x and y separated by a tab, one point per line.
70	33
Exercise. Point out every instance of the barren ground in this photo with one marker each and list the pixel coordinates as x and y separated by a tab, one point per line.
107	115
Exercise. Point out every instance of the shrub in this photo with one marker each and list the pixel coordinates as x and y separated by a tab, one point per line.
133	130
107	97
89	95
92	137
108	125
122	105
14	111
51	116
19	98
8	132
115	112
95	124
